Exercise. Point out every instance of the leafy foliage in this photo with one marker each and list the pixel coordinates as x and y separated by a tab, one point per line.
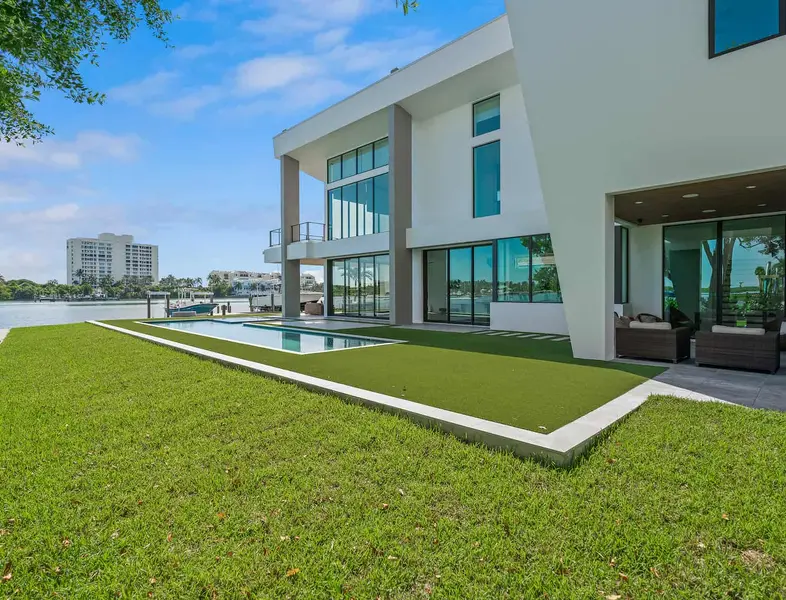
408	5
43	44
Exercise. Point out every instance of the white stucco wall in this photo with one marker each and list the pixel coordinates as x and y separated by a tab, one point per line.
645	274
533	318
633	101
442	211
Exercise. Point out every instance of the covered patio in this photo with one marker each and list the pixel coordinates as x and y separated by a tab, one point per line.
700	281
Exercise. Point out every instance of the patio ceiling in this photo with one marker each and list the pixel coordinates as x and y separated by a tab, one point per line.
731	196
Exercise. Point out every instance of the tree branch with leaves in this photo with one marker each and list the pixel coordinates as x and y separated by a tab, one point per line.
44	43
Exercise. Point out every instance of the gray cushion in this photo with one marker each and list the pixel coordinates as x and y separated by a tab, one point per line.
738	330
640	325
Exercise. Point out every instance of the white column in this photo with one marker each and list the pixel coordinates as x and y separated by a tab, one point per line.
290	215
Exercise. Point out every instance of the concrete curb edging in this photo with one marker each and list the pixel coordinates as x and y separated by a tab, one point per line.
3	333
561	447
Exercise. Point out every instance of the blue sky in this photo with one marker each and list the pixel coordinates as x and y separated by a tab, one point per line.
181	153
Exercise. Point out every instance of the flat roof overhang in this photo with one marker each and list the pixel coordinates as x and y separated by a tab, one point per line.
476	65
762	192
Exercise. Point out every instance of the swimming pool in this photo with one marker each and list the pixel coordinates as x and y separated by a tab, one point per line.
283	339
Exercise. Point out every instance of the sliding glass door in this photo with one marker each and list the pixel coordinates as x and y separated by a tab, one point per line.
725	272
459	283
360	286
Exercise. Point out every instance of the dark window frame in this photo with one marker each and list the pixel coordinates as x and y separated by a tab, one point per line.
328	286
355	150
621	251
474	104
474	179
712	15
357	183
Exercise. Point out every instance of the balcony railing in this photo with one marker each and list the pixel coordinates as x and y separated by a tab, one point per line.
308	232
275	237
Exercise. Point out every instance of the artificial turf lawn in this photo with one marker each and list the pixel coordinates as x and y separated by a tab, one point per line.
535	385
129	470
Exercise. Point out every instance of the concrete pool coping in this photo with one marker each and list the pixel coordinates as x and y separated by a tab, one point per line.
3	333
560	447
263	325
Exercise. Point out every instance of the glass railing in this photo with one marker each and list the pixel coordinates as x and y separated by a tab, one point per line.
275	237
308	232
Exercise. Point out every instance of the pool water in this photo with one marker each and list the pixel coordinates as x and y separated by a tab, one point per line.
276	338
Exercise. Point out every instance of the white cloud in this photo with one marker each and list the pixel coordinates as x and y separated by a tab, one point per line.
330	38
15	193
86	146
194	51
141	91
189	104
297	17
272	72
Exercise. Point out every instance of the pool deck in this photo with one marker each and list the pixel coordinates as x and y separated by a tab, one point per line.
560	447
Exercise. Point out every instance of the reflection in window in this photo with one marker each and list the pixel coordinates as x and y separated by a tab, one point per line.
459	284
381	204
366	158
487	180
334	169
360	286
513	270
486	116
752	271
359	208
545	283
740	23
349	165
381	157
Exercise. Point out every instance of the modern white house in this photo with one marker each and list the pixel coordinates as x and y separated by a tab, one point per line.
561	163
111	255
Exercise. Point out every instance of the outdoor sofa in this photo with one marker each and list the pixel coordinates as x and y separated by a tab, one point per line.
751	349
651	339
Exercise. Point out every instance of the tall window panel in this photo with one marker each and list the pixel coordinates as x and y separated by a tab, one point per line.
365	197
486	116
381	204
735	24
366	158
486	171
335	231
334	169
621	259
360	286
513	264
349	166
459	284
545	283
349	195
436	285
381	153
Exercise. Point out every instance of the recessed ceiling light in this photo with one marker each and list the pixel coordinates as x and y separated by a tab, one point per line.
762	205
691	196
709	210
750	187
639	202
665	216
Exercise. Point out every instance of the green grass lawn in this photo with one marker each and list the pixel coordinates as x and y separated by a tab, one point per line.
129	470
535	385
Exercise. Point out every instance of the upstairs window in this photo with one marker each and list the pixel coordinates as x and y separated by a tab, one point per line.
736	24
485	116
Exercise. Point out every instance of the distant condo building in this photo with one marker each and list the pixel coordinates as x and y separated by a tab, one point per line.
113	255
250	280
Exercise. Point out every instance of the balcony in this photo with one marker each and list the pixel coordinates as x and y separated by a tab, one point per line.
308	232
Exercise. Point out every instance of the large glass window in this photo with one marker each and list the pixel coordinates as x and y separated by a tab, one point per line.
366	158
359	208
486	167
459	284
725	272
334	169
545	283
360	286
689	273
735	24
486	116
349	165
751	293
381	153
513	270
381	204
359	160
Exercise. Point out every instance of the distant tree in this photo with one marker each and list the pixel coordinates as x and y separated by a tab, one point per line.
44	43
78	274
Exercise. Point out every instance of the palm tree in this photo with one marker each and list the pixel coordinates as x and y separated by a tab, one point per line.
198	282
761	274
78	275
